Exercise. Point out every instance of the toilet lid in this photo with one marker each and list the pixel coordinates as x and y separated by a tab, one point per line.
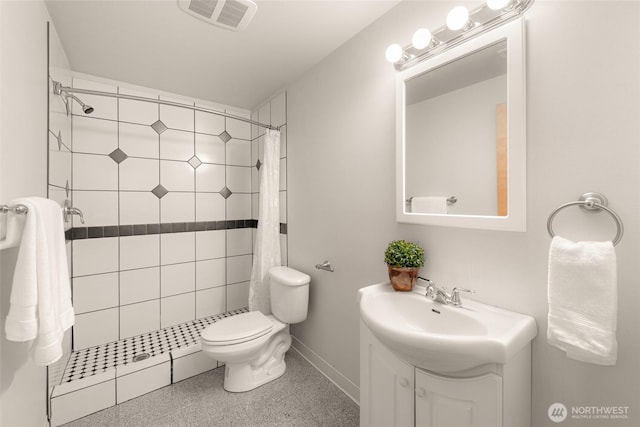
237	329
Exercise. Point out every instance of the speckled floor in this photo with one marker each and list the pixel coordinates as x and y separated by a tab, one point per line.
301	397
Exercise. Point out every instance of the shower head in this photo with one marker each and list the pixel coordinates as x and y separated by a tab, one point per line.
87	109
59	90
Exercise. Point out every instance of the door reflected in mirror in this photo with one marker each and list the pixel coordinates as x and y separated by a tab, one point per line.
461	157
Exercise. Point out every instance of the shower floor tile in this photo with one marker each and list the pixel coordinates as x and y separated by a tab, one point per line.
102	358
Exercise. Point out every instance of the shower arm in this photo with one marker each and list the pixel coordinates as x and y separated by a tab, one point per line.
58	89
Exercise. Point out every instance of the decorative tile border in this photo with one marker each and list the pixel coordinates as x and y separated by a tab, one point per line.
79	233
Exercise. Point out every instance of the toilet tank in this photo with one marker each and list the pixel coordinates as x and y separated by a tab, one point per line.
289	294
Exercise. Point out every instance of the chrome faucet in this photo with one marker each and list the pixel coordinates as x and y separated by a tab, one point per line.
442	296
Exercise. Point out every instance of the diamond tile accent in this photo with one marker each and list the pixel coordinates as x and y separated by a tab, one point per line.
225	192
159	191
159	127
224	136
258	164
195	162
118	155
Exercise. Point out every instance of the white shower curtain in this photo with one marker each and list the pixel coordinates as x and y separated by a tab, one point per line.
266	253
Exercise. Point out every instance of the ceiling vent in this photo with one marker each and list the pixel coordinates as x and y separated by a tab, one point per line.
229	14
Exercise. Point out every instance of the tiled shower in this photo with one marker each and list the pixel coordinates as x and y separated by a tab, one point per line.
169	198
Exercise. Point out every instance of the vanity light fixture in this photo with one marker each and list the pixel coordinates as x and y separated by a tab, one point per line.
458	19
461	25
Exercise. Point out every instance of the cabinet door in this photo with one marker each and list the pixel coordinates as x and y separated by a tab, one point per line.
386	385
458	402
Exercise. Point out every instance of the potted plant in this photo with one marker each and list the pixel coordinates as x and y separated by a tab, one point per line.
404	260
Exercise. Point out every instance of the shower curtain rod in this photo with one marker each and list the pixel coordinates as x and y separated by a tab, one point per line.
58	89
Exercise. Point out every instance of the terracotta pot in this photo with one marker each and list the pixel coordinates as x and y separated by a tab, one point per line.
403	278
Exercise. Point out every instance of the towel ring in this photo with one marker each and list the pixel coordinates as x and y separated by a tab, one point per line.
592	203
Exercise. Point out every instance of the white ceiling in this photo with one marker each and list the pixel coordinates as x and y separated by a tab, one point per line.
153	43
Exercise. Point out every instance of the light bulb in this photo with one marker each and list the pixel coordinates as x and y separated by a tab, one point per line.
497	4
421	38
457	18
394	53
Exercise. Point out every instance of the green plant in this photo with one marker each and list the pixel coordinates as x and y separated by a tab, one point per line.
401	253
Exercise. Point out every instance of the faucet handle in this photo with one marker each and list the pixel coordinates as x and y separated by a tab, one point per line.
455	296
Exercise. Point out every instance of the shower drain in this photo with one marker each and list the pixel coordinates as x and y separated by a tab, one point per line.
140	357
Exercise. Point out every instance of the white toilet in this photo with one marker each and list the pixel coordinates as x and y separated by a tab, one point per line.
252	345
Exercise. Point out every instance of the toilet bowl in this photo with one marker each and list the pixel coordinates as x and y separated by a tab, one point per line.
252	345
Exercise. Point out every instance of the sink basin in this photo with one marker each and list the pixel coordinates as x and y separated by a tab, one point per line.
442	338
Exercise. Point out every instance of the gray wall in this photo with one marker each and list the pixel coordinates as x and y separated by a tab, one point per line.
583	104
23	172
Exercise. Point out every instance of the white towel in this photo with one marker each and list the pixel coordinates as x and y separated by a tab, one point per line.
41	292
429	204
583	300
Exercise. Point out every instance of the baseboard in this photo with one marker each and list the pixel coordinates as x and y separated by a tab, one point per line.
343	383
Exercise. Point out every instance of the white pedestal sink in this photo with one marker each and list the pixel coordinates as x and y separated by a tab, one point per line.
443	338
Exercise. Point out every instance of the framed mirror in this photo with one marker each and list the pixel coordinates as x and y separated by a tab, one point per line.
461	137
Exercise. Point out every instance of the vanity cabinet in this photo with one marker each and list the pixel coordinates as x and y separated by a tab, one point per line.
394	393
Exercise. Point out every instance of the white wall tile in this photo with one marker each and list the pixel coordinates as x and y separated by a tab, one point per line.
139	174
176	145
237	295
94	256
210	149
255	205
239	179
239	241
264	115
140	112
175	117
210	207
139	251
239	152
210	244
94	172
210	177
94	136
284	249
139	208
176	176
136	319
95	328
211	273
177	278
192	364
239	129
143	381
283	207
177	207
239	268
239	206
212	124
283	174
210	302
71	406
139	285
138	140
59	167
98	207
177	247
177	309
104	107
283	142
95	292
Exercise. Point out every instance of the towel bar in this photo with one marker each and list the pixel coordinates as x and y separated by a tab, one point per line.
450	200
590	202
19	209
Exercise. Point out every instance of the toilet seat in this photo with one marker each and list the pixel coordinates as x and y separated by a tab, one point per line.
237	329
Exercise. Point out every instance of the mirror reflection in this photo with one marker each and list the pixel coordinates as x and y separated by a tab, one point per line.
456	136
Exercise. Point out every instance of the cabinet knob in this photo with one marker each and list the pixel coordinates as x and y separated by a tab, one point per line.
420	392
404	382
